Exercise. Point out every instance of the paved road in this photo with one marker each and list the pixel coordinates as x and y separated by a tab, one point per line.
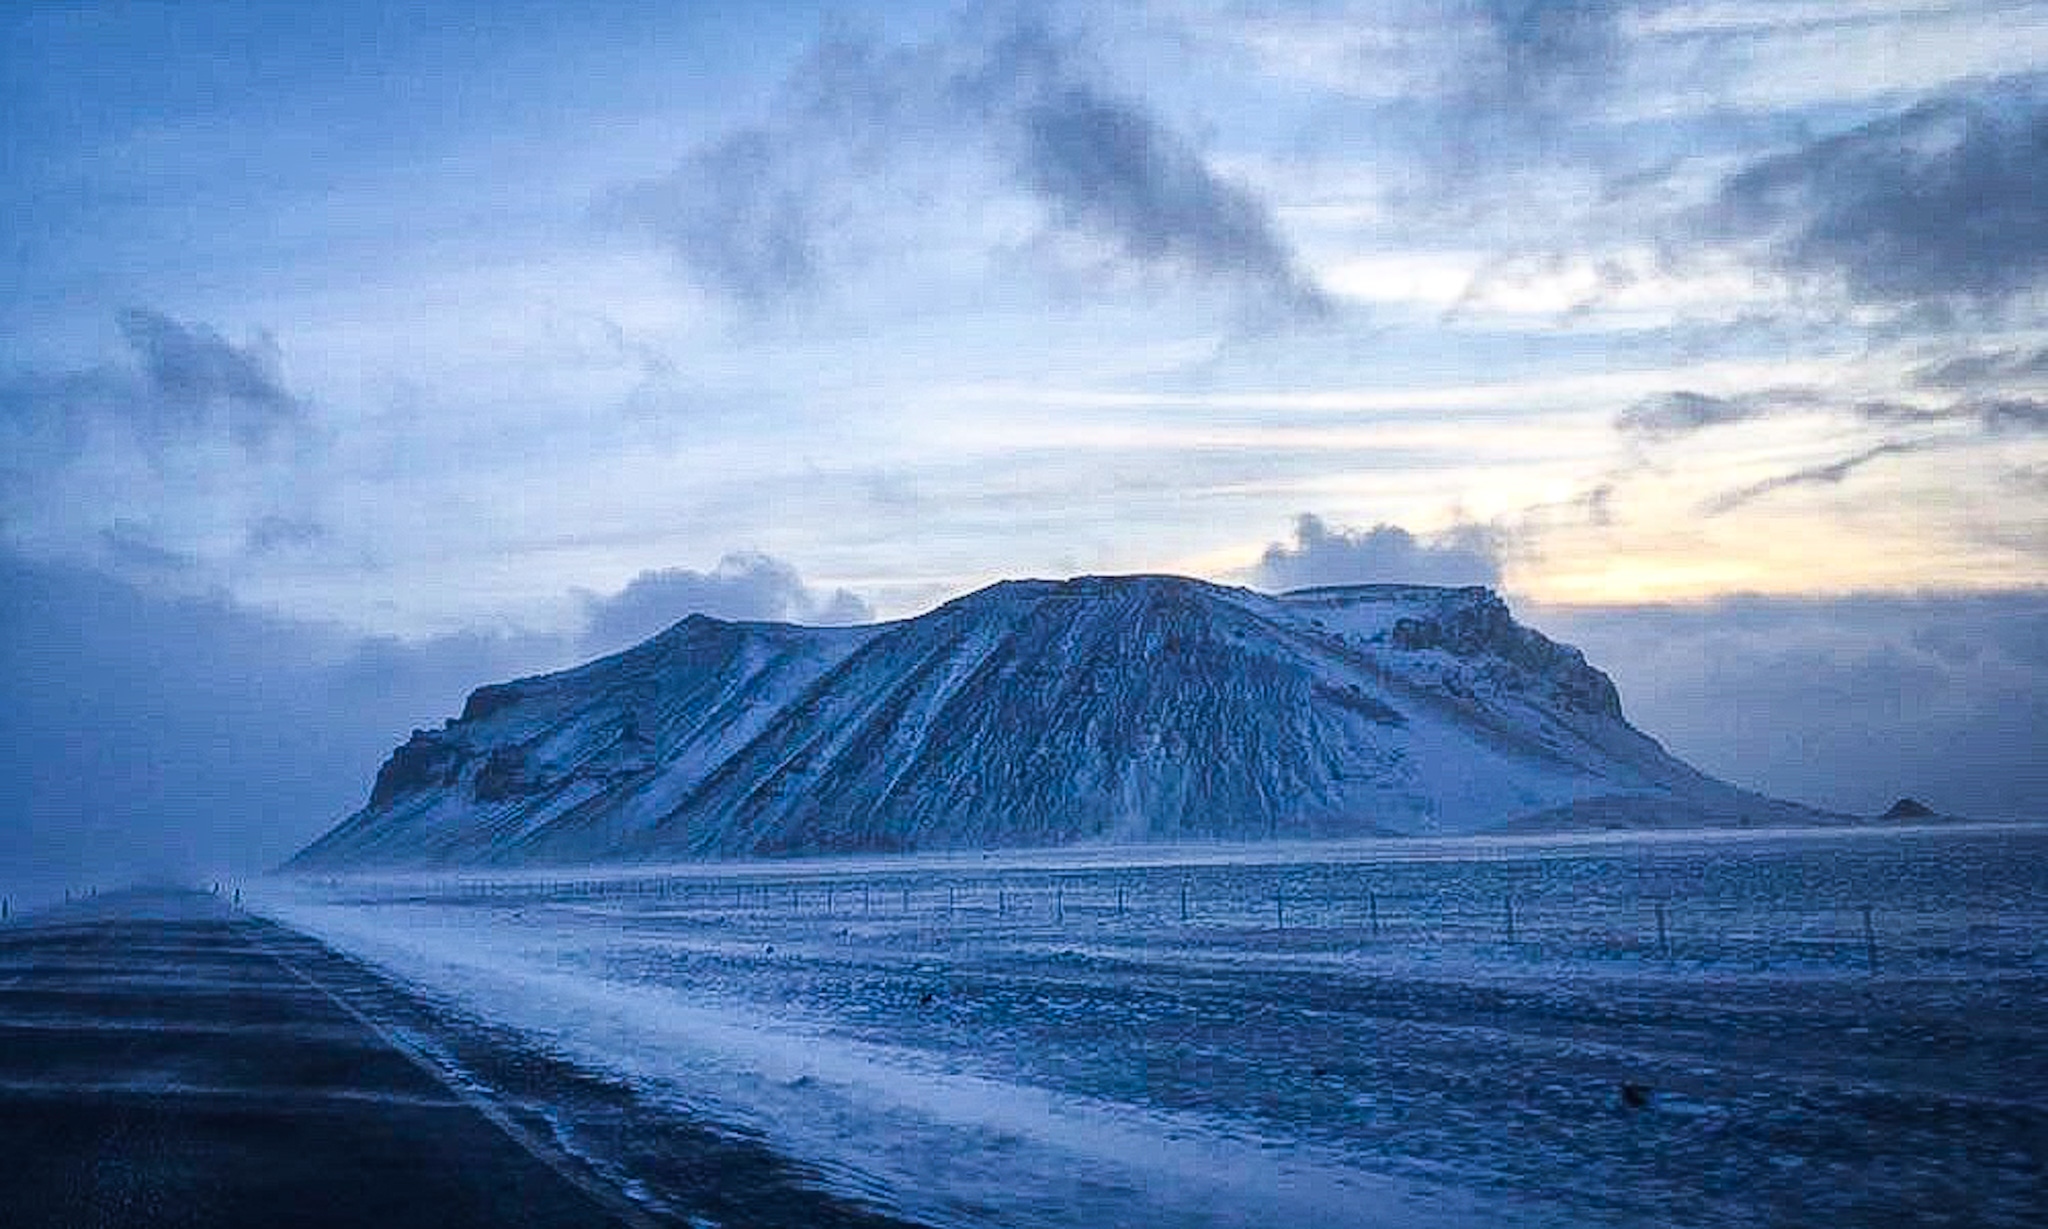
167	1061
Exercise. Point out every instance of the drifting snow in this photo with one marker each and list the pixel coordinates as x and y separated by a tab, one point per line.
1308	1035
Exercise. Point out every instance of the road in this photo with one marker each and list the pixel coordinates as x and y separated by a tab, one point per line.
167	1060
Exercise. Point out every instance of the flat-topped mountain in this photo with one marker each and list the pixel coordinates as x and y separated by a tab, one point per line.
1136	708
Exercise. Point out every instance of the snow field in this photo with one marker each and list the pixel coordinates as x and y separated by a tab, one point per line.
1016	1046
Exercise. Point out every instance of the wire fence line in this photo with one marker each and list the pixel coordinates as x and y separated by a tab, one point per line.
1309	910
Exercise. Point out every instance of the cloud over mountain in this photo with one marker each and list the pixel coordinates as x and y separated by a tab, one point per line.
142	733
745	587
1384	554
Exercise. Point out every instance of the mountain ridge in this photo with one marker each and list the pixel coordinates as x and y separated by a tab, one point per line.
1037	712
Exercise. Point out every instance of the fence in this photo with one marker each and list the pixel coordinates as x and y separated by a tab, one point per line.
1299	912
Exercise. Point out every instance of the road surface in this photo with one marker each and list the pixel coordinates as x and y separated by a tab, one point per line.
166	1060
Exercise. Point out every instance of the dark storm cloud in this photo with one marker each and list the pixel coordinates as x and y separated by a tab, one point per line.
1844	702
780	209
1833	473
1320	555
1945	201
744	587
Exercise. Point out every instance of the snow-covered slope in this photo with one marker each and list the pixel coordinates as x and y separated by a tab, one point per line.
1032	713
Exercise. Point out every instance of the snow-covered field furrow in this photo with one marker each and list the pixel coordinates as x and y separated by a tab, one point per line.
1328	1037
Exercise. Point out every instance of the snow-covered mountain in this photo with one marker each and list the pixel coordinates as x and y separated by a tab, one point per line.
1136	708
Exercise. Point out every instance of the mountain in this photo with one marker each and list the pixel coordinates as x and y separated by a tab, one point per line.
1138	708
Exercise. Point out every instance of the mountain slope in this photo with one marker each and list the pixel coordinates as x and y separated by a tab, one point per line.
1032	713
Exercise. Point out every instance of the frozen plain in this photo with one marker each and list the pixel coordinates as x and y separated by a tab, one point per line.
1376	1033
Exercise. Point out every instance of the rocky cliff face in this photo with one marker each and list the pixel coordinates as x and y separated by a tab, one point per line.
1032	713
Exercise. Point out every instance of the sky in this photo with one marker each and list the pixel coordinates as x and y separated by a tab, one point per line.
352	356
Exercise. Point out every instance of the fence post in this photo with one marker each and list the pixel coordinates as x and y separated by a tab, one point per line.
1869	940
1372	911
1119	900
1059	903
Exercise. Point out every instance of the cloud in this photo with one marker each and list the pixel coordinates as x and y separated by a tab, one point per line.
1991	414
876	154
1681	412
191	372
1547	51
142	734
1671	415
744	586
1466	555
737	218
134	548
2010	414
1110	168
1525	77
148	735
1832	473
95	455
1845	702
1945	201
181	381
1981	367
273	533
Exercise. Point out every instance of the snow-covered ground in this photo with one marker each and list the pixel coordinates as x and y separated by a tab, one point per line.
1412	1033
